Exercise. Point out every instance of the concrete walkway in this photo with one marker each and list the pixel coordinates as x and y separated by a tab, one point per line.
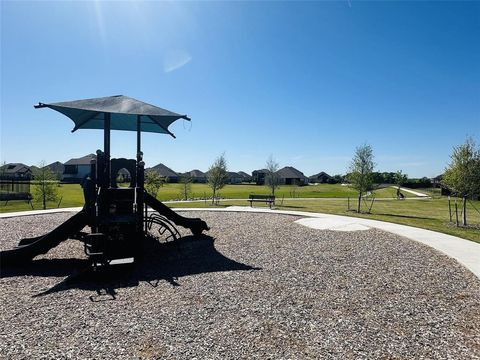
39	212
416	193
464	251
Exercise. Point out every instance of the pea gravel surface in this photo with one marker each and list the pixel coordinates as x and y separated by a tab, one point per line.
259	286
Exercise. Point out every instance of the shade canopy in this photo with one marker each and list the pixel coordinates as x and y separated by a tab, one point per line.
124	114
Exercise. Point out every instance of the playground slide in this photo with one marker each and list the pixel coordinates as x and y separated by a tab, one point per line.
29	248
196	225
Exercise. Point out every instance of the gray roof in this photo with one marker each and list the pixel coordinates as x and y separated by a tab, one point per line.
232	174
164	171
195	174
289	172
56	167
124	172
244	175
321	174
265	171
14	168
85	160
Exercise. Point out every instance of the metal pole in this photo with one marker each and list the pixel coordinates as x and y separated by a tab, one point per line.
138	137
449	209
106	148
456	213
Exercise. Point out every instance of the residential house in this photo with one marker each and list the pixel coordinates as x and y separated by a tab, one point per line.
166	173
124	175
245	176
15	171
437	183
258	176
234	178
57	169
291	176
321	178
197	176
77	169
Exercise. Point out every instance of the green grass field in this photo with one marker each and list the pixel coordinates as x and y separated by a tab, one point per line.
173	191
424	213
72	194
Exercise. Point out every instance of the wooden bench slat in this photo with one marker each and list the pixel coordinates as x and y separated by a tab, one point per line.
268	199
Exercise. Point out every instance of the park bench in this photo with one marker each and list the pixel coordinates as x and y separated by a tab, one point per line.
267	199
16	196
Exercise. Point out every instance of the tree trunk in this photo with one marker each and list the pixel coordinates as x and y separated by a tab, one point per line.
44	196
213	197
359	201
464	212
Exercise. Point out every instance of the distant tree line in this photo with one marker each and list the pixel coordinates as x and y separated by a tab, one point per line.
391	178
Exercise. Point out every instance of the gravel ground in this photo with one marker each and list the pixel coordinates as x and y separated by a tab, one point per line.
260	287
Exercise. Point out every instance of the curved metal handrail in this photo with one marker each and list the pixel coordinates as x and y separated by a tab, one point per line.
167	230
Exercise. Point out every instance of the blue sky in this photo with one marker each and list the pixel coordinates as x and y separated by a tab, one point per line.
304	81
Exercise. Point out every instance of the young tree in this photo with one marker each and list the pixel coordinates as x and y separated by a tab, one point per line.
360	171
337	179
462	176
400	179
186	186
272	180
217	175
45	185
153	182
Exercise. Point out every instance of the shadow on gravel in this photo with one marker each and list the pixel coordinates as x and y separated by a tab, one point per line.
46	267
169	261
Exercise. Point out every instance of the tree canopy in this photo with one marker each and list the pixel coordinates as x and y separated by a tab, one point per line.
360	171
462	176
272	180
45	185
217	175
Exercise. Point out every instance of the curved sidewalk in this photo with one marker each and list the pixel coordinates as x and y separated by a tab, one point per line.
466	252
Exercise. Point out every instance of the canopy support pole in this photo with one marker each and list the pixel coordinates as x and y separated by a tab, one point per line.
106	148
139	132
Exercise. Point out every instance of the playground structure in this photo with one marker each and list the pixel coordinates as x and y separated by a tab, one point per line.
117	216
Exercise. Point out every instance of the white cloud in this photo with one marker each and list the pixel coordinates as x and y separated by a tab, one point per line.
175	59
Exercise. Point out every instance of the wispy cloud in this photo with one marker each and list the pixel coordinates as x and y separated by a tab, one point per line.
100	20
175	59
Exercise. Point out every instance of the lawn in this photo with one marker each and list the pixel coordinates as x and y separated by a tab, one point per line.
72	195
173	191
424	213
241	191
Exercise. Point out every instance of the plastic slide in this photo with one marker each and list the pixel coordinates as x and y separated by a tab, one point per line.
29	248
196	225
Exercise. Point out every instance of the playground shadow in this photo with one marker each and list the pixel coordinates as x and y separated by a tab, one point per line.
45	268
189	255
